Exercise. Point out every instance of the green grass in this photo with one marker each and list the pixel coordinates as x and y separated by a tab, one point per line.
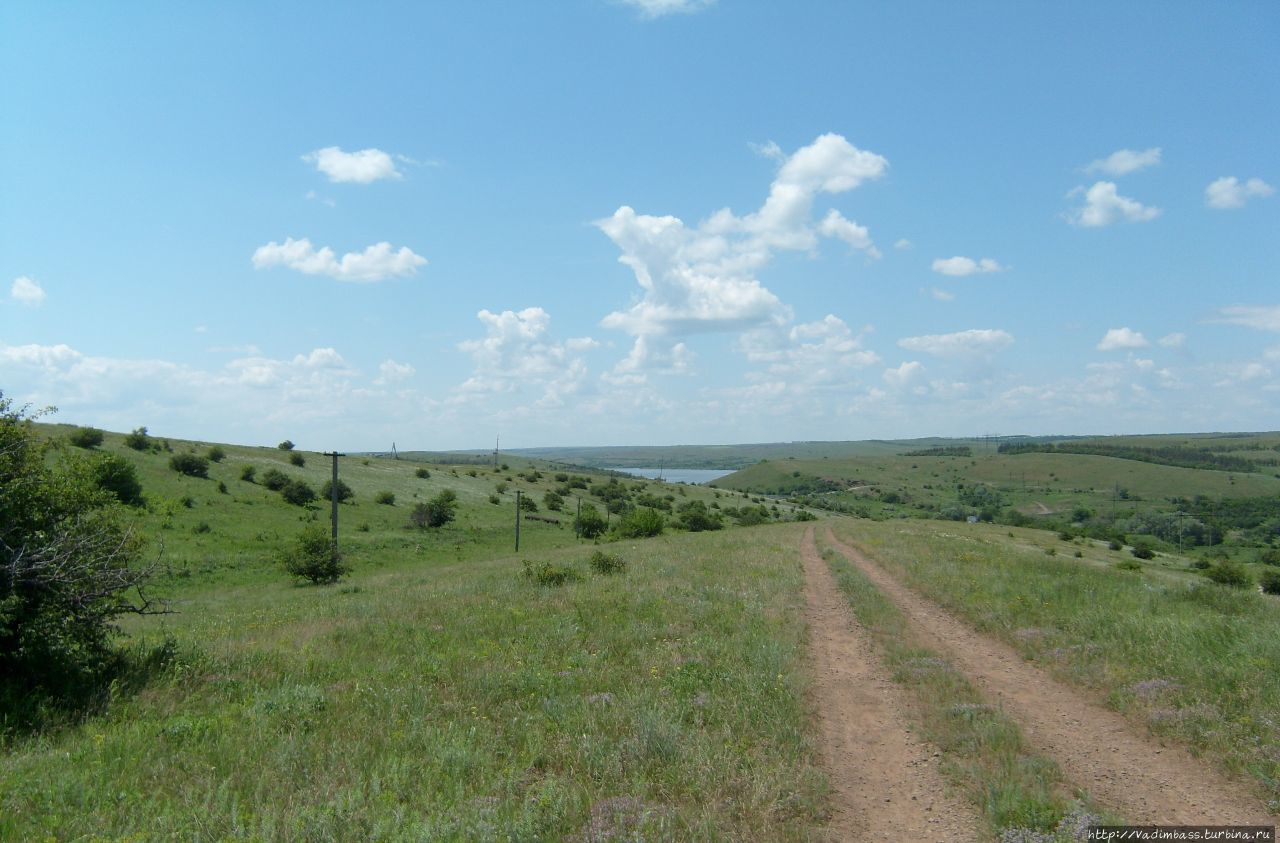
984	752
1184	658
456	701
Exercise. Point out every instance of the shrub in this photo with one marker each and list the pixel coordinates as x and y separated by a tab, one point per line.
696	518
528	504
607	563
1230	573
642	522
591	524
1270	582
436	512
313	556
202	527
286	445
344	491
191	465
297	459
805	515
494	499
553	501
138	440
385	498
113	473
247	472
1269	556
298	493
274	479
222	488
85	437
216	454
1142	549
500	488
1114	545
1129	565
68	558
422	474
561	477
544	573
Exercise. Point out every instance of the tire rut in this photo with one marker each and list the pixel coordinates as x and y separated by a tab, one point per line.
885	781
1097	748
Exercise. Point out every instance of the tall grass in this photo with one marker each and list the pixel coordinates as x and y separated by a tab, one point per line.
1196	662
461	702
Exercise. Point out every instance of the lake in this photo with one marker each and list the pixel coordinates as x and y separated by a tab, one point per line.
694	476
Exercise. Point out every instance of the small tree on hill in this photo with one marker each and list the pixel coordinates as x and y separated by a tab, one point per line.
436	512
344	491
138	440
286	445
191	465
591	524
217	454
85	437
298	493
115	474
312	556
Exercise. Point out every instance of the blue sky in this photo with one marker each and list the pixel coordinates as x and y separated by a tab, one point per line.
594	222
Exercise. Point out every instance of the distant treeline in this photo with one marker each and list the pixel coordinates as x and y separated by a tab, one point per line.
1169	455
952	451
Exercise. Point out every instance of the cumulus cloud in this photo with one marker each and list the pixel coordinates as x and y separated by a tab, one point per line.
1120	338
961	266
1124	161
1228	192
904	374
976	342
363	167
376	263
651	9
518	350
389	371
1176	340
1263	318
1103	205
27	291
822	351
701	279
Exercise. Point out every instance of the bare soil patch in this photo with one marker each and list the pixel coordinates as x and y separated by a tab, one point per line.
1132	774
885	781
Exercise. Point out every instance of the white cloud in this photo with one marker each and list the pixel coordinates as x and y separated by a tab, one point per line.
375	263
1104	206
961	266
363	167
651	9
902	243
941	295
903	374
518	351
1176	340
1124	161
701	279
389	371
857	236
1263	318
1118	338
1227	192
768	149
27	291
972	343
823	351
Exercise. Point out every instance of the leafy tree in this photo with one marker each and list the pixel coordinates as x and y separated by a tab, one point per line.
436	512
115	474
696	518
67	570
641	522
298	493
85	437
286	445
138	440
191	465
313	556
344	491
591	524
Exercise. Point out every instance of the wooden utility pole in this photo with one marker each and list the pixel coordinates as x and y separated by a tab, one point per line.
333	497
577	520
517	520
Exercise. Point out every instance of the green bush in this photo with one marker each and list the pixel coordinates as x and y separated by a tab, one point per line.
138	440
344	491
216	454
422	474
642	522
297	459
436	512
553	501
1129	565
1142	549
286	445
528	504
222	488
1230	573
1114	544
494	499
607	563
1270	582
247	473
298	493
1269	556
191	465
275	479
696	518
385	498
591	524
500	487
115	474
85	437
313	556
545	573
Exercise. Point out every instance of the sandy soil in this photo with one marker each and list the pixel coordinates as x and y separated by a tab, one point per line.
1133	774
885	782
